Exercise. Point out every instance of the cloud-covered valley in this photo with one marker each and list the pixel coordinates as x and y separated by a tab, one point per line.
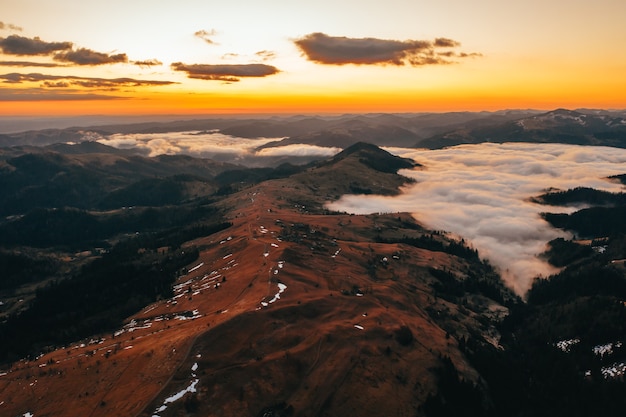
481	193
478	192
217	146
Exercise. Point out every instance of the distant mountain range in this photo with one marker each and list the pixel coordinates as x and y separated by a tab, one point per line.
430	130
558	126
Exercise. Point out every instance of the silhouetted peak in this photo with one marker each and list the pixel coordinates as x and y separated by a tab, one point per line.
375	157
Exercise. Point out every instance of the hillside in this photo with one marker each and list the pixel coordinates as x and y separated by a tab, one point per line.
291	310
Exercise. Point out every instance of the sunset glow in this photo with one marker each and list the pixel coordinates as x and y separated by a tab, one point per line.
203	57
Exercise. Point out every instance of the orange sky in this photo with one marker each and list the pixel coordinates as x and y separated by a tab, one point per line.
75	57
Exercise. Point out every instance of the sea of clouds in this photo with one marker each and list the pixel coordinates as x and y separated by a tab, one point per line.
481	193
216	146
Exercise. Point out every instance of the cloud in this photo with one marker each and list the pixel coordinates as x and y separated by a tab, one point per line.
56	81
228	73
446	43
217	146
206	35
201	144
9	26
340	50
20	45
27	64
84	56
42	94
481	192
266	55
148	63
298	150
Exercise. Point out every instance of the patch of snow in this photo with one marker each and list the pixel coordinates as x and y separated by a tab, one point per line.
358	326
607	349
599	249
614	371
179	395
29	414
128	347
565	345
227	256
274	245
196	267
194	368
281	289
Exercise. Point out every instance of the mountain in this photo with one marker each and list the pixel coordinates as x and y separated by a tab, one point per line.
290	310
558	126
330	131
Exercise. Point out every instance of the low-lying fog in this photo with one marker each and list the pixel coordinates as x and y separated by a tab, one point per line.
217	146
481	192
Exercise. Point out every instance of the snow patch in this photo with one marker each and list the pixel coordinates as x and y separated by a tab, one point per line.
196	267
565	345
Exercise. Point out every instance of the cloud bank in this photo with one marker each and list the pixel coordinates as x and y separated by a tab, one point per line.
216	146
480	192
23	46
224	72
59	51
68	80
84	56
340	50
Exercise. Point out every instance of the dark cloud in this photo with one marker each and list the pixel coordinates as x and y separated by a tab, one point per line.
9	26
27	64
228	73
340	50
20	45
56	81
84	56
446	43
148	63
206	35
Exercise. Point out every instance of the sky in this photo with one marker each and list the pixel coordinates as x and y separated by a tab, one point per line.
481	193
82	57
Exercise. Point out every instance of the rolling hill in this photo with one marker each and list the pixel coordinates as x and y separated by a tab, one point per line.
292	310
